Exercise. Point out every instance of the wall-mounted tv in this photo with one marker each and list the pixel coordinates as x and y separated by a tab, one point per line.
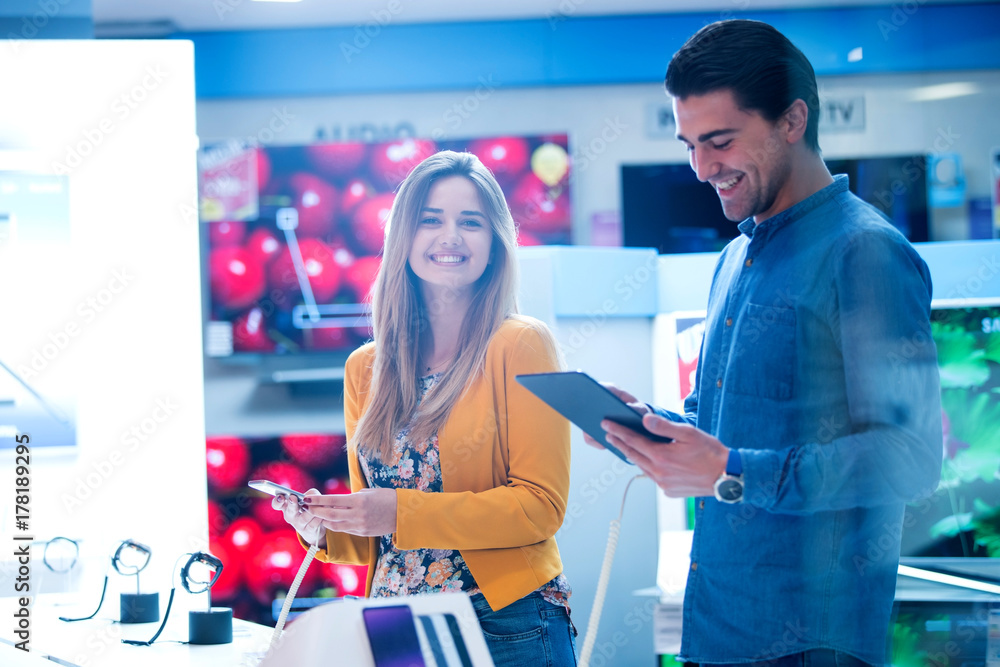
962	517
665	206
897	186
295	232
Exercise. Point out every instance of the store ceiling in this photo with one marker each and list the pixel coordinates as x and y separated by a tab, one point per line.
123	18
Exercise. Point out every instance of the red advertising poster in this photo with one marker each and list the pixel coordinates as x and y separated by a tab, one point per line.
690	331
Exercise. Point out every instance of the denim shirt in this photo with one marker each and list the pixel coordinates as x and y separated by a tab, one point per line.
818	366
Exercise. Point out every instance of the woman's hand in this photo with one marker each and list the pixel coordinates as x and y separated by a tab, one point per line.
367	513
309	526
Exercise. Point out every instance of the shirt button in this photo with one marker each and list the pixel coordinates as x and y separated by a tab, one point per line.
749	262
729	321
701	504
694	567
718	383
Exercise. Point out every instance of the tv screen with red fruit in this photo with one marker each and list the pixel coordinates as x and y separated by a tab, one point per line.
294	233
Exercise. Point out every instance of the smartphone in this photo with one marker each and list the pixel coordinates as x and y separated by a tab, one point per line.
276	489
586	402
392	635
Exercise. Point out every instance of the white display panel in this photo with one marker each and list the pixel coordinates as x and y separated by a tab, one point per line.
100	297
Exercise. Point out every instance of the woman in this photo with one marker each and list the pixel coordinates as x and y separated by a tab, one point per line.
459	475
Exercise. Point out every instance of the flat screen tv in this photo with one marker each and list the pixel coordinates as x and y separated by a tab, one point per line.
962	517
665	206
294	233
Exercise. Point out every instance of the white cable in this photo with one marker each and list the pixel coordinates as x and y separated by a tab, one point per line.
291	596
602	581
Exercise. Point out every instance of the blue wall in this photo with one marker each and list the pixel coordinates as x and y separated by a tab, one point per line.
46	19
567	50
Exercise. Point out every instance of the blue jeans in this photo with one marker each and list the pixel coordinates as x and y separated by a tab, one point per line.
817	657
530	631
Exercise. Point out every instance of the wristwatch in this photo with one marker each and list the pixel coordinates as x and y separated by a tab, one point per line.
729	486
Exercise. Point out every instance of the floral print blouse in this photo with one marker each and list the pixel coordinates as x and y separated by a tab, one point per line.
416	465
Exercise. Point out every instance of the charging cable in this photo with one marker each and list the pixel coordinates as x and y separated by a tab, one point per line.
602	581
290	597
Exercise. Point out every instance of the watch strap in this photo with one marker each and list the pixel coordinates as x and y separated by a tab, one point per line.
734	465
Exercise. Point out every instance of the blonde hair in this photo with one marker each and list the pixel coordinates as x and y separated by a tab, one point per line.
399	313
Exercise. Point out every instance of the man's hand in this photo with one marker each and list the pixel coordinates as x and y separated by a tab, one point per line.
632	401
688	466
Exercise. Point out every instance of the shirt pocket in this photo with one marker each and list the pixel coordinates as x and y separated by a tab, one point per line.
763	361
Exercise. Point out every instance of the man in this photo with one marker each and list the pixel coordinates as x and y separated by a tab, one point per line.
816	411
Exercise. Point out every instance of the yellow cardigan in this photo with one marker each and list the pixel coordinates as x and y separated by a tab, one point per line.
505	473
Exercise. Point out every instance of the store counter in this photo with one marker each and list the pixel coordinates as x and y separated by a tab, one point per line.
98	642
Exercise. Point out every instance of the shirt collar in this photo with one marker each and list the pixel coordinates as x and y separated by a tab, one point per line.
792	213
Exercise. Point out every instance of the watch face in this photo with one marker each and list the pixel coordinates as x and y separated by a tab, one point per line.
729	490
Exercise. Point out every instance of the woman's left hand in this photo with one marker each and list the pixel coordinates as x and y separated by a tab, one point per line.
367	513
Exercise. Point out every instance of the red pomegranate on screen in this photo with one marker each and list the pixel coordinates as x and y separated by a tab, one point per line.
263	245
346	579
319	265
527	239
235	279
328	338
242	535
250	332
218	522
336	486
539	208
226	233
263	169
393	161
228	460
313	450
368	222
506	157
230	581
360	276
316	202
274	564
355	192
337	160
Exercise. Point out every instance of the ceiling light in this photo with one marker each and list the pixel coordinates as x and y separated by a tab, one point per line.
854	55
944	91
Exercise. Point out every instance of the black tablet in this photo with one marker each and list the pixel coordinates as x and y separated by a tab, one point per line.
586	402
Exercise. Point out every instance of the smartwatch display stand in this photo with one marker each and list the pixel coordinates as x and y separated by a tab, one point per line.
140	607
211	626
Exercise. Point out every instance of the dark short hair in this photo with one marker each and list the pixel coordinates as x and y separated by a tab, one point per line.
763	69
